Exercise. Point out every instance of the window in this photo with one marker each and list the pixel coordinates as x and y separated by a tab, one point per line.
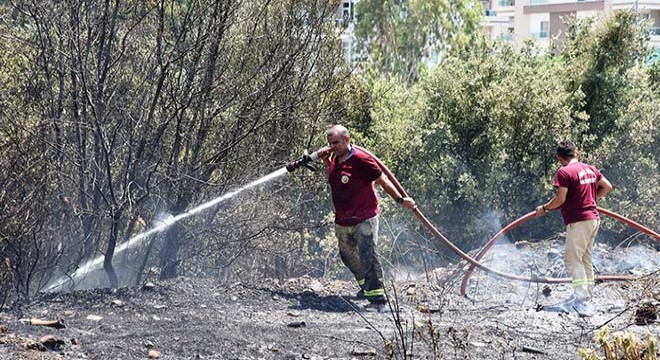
545	29
347	10
344	15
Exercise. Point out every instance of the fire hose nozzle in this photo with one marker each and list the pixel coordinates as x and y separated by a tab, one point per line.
306	160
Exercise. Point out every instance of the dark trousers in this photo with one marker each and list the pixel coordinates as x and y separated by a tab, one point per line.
357	250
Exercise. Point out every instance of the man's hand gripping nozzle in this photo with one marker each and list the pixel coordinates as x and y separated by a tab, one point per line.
306	160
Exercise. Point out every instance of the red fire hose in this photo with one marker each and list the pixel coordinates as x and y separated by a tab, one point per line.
474	262
532	214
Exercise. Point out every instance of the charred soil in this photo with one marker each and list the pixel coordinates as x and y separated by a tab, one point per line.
306	318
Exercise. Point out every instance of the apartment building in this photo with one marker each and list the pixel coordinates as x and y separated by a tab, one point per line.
518	20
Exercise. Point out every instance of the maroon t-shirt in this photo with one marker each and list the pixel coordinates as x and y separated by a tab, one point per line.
352	185
581	181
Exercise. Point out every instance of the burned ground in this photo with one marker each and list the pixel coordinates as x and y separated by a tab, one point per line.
306	318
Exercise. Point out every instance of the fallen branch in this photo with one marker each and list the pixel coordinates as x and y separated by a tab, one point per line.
532	350
614	317
57	324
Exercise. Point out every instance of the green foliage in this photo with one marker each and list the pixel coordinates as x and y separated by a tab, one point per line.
607	61
395	36
474	143
629	154
654	74
492	119
599	57
172	103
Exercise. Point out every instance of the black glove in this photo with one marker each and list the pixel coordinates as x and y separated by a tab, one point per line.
306	159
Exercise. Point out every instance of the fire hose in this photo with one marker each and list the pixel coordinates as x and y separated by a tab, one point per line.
532	214
474	262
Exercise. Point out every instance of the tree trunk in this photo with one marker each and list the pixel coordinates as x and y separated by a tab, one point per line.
109	254
168	259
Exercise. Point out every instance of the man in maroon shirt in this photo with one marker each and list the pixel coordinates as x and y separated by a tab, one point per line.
578	187
351	173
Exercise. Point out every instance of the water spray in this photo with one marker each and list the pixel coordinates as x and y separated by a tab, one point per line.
306	161
162	222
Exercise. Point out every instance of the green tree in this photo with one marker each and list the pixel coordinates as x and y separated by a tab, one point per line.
608	64
396	35
495	118
135	108
599	57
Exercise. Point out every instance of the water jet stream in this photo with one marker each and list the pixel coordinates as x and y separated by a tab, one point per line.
165	223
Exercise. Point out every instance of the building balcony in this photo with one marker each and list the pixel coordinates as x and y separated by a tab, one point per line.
504	15
506	3
540	35
492	18
553	6
636	4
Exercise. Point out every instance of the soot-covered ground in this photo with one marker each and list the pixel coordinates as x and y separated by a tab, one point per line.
305	318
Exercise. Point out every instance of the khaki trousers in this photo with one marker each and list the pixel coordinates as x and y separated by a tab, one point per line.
579	248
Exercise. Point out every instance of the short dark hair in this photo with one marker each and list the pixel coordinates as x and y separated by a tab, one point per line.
566	149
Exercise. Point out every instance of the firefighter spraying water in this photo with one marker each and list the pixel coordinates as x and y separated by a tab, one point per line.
352	171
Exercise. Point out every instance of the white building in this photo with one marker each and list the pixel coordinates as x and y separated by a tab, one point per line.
518	20
344	21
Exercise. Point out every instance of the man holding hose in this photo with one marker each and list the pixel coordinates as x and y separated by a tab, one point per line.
352	172
578	187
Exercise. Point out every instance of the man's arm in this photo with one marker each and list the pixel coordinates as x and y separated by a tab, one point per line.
389	188
324	155
554	203
603	187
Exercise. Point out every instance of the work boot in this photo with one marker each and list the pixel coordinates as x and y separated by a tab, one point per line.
584	308
379	305
360	295
565	306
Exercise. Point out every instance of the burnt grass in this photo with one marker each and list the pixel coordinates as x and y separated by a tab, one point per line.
306	318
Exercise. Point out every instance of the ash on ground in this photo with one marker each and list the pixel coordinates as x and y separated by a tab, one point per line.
307	318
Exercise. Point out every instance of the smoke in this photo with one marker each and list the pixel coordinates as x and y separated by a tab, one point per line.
635	260
490	224
499	256
402	273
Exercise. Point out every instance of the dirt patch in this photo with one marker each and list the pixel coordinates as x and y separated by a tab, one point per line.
307	318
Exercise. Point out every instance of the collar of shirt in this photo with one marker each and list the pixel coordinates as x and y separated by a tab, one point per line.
351	152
